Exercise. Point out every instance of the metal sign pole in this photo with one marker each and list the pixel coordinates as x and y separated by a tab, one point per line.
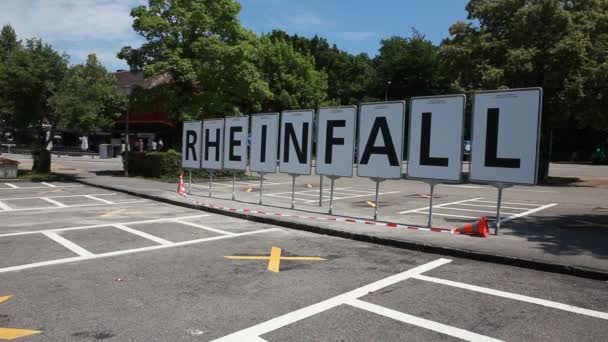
233	181
293	189
189	182
261	185
432	184
376	201
331	195
498	204
321	192
210	181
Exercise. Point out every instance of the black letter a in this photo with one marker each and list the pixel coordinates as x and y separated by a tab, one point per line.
380	126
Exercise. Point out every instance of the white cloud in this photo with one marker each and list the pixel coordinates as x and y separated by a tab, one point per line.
304	19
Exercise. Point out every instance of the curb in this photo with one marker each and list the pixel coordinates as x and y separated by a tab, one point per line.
577	271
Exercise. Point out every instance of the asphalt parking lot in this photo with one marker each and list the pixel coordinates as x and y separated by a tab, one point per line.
84	264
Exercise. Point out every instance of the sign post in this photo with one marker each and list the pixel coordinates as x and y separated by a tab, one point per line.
191	148
264	141
236	130
321	191
335	145
381	128
213	131
295	155
506	135
435	141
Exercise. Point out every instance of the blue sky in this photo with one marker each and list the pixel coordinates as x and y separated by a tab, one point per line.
80	27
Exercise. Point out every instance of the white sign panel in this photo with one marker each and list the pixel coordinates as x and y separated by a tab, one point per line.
191	145
235	142
264	142
380	148
336	141
213	130
436	136
506	131
296	142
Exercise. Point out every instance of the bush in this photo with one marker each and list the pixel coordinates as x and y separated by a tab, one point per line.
166	165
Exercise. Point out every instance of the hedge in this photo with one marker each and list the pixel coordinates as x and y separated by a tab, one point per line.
166	165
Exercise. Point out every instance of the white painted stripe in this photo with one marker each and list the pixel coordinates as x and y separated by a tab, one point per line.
5	207
103	225
439	205
200	226
477	210
514	296
13	186
68	244
292	317
129	251
512	203
142	234
76	206
52	201
43	187
48	184
465	186
99	199
61	196
528	190
491	206
446	215
531	211
421	322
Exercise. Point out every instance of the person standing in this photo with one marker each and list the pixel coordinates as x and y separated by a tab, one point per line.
154	146
161	145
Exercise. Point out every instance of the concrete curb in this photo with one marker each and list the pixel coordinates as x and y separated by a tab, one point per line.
577	271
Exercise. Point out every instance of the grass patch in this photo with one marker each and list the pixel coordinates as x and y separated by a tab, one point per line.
40	177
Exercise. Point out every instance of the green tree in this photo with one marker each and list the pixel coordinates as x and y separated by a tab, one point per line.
8	42
88	99
411	65
561	46
28	79
211	58
293	79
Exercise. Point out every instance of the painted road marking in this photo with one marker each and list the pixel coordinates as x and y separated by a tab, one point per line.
339	194
130	251
13	333
67	244
52	201
493	188
12	186
77	206
253	333
61	196
57	230
274	259
5	207
522	298
99	199
200	226
420	322
48	184
41	187
437	206
142	234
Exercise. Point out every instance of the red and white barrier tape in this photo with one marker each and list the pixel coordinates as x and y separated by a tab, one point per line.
337	219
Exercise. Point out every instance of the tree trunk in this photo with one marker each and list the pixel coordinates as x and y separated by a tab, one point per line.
42	160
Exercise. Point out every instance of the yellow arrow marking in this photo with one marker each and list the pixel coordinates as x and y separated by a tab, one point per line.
12	333
249	190
274	259
371	204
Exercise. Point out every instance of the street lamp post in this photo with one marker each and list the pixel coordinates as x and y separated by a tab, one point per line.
388	84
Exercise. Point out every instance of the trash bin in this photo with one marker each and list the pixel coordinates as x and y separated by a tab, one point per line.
105	151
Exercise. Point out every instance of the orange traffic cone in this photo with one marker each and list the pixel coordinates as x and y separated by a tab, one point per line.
181	188
476	229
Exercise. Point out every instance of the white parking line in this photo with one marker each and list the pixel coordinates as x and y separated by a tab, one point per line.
61	196
253	333
129	251
437	206
75	206
200	226
13	186
338	195
420	322
512	203
477	210
142	234
68	244
56	230
498	293
531	211
5	207
48	184
99	199
41	187
491	206
52	201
